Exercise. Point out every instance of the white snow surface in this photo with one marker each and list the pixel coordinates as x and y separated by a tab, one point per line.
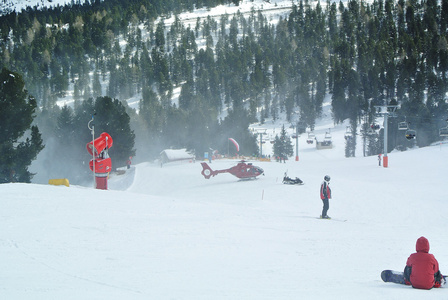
168	233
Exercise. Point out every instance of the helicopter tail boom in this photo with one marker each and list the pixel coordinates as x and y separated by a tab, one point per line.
207	172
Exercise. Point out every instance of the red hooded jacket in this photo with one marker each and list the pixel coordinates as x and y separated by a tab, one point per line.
423	264
325	191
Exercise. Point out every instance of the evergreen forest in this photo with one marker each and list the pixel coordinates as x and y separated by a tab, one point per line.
197	85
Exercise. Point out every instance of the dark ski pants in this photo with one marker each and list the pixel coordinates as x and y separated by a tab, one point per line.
326	207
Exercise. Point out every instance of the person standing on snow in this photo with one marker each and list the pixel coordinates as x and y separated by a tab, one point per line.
325	195
422	268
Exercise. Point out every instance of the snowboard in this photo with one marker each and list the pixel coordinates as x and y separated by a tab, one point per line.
392	276
398	277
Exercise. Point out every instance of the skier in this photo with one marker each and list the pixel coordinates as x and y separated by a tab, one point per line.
325	195
422	268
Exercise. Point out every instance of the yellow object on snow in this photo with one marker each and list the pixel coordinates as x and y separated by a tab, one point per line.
62	181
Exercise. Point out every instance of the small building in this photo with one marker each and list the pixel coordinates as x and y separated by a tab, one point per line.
172	155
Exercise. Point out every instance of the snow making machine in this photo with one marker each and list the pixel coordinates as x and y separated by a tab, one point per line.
101	165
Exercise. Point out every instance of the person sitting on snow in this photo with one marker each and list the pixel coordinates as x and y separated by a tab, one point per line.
422	268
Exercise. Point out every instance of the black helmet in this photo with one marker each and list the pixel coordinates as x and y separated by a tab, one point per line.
327	178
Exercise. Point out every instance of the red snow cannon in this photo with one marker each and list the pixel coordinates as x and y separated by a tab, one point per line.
104	141
102	164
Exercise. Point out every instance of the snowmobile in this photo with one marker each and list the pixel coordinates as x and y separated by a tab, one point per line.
288	180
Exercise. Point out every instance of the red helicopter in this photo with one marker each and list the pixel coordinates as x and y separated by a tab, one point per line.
241	170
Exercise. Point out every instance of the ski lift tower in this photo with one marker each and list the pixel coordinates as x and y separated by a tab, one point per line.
261	132
386	112
300	127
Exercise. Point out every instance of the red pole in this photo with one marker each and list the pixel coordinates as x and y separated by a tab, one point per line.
101	181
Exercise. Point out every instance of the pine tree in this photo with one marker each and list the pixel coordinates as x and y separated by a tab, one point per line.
282	145
16	116
111	117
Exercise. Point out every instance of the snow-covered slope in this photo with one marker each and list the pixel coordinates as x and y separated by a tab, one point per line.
18	5
168	233
7	6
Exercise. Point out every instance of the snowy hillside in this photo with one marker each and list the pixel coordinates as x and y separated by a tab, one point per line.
18	5
7	6
167	233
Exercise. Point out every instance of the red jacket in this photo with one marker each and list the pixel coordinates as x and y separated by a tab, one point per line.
423	264
325	191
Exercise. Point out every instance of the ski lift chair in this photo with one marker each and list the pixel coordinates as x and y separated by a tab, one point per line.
348	133
370	131
310	138
443	132
403	126
410	134
327	139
